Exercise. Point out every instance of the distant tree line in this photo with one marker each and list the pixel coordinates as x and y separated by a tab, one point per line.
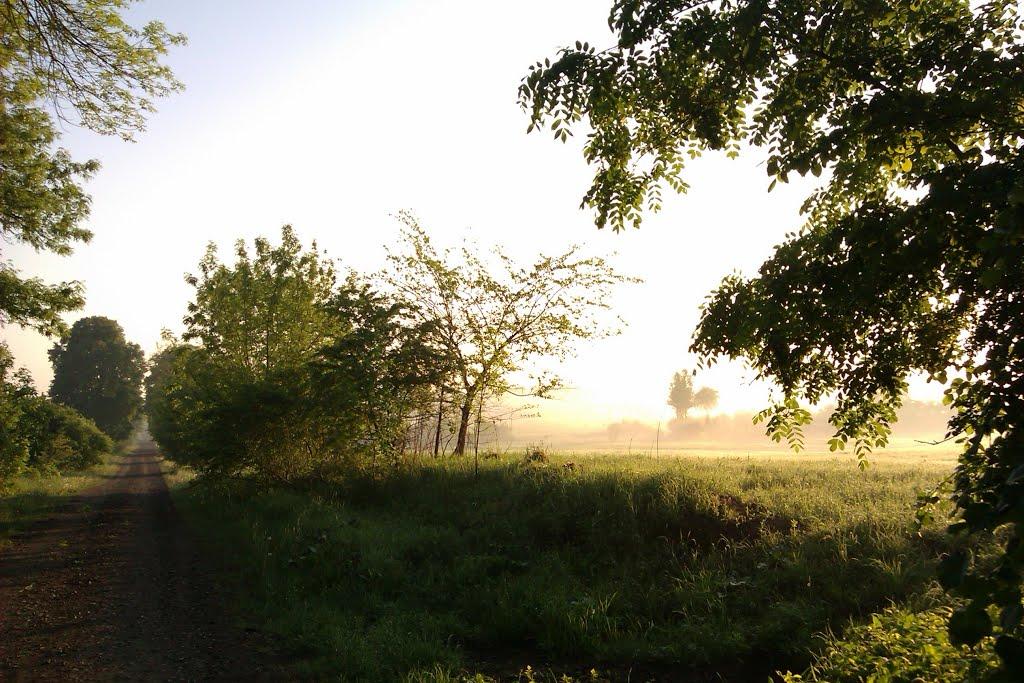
287	370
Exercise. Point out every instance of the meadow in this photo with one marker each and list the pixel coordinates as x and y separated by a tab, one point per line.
703	567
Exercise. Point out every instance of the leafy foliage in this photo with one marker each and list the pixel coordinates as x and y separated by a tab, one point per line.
706	398
377	373
42	205
13	446
84	63
898	646
60	438
911	256
220	419
83	55
161	369
295	376
99	373
39	434
265	311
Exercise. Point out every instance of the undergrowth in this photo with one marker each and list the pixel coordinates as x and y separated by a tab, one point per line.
635	567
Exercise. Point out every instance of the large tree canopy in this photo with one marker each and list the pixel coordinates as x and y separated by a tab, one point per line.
78	61
99	373
911	256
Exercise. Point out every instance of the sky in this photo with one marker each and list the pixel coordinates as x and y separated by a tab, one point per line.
334	115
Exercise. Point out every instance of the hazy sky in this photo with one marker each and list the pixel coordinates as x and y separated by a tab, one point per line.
333	115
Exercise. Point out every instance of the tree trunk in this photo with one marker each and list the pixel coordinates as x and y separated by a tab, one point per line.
464	415
476	438
440	415
479	420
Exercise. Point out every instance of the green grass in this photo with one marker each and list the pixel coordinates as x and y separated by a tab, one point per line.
655	566
34	495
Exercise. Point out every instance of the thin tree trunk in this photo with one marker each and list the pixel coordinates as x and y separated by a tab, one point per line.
464	415
440	416
476	442
479	421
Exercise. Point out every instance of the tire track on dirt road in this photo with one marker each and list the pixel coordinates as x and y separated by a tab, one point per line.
111	587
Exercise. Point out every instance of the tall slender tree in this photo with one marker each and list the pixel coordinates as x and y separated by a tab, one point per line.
680	394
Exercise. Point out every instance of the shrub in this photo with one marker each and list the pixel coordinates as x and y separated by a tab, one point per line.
12	445
38	433
13	451
901	646
536	454
59	437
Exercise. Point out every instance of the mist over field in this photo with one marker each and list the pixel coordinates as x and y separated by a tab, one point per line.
919	421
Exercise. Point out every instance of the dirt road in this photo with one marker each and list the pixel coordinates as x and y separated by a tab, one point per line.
112	588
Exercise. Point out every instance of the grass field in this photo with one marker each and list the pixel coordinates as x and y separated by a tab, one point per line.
638	567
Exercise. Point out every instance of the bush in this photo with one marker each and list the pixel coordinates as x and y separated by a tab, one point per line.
38	433
901	646
13	452
58	437
536	455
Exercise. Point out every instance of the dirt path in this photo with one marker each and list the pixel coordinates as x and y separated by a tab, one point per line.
111	587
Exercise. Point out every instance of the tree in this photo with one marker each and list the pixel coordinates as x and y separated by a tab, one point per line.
239	399
295	375
911	257
161	373
99	373
683	397
265	311
492	325
680	394
706	399
379	372
82	62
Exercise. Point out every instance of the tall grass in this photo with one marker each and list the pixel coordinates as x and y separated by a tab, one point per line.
727	565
